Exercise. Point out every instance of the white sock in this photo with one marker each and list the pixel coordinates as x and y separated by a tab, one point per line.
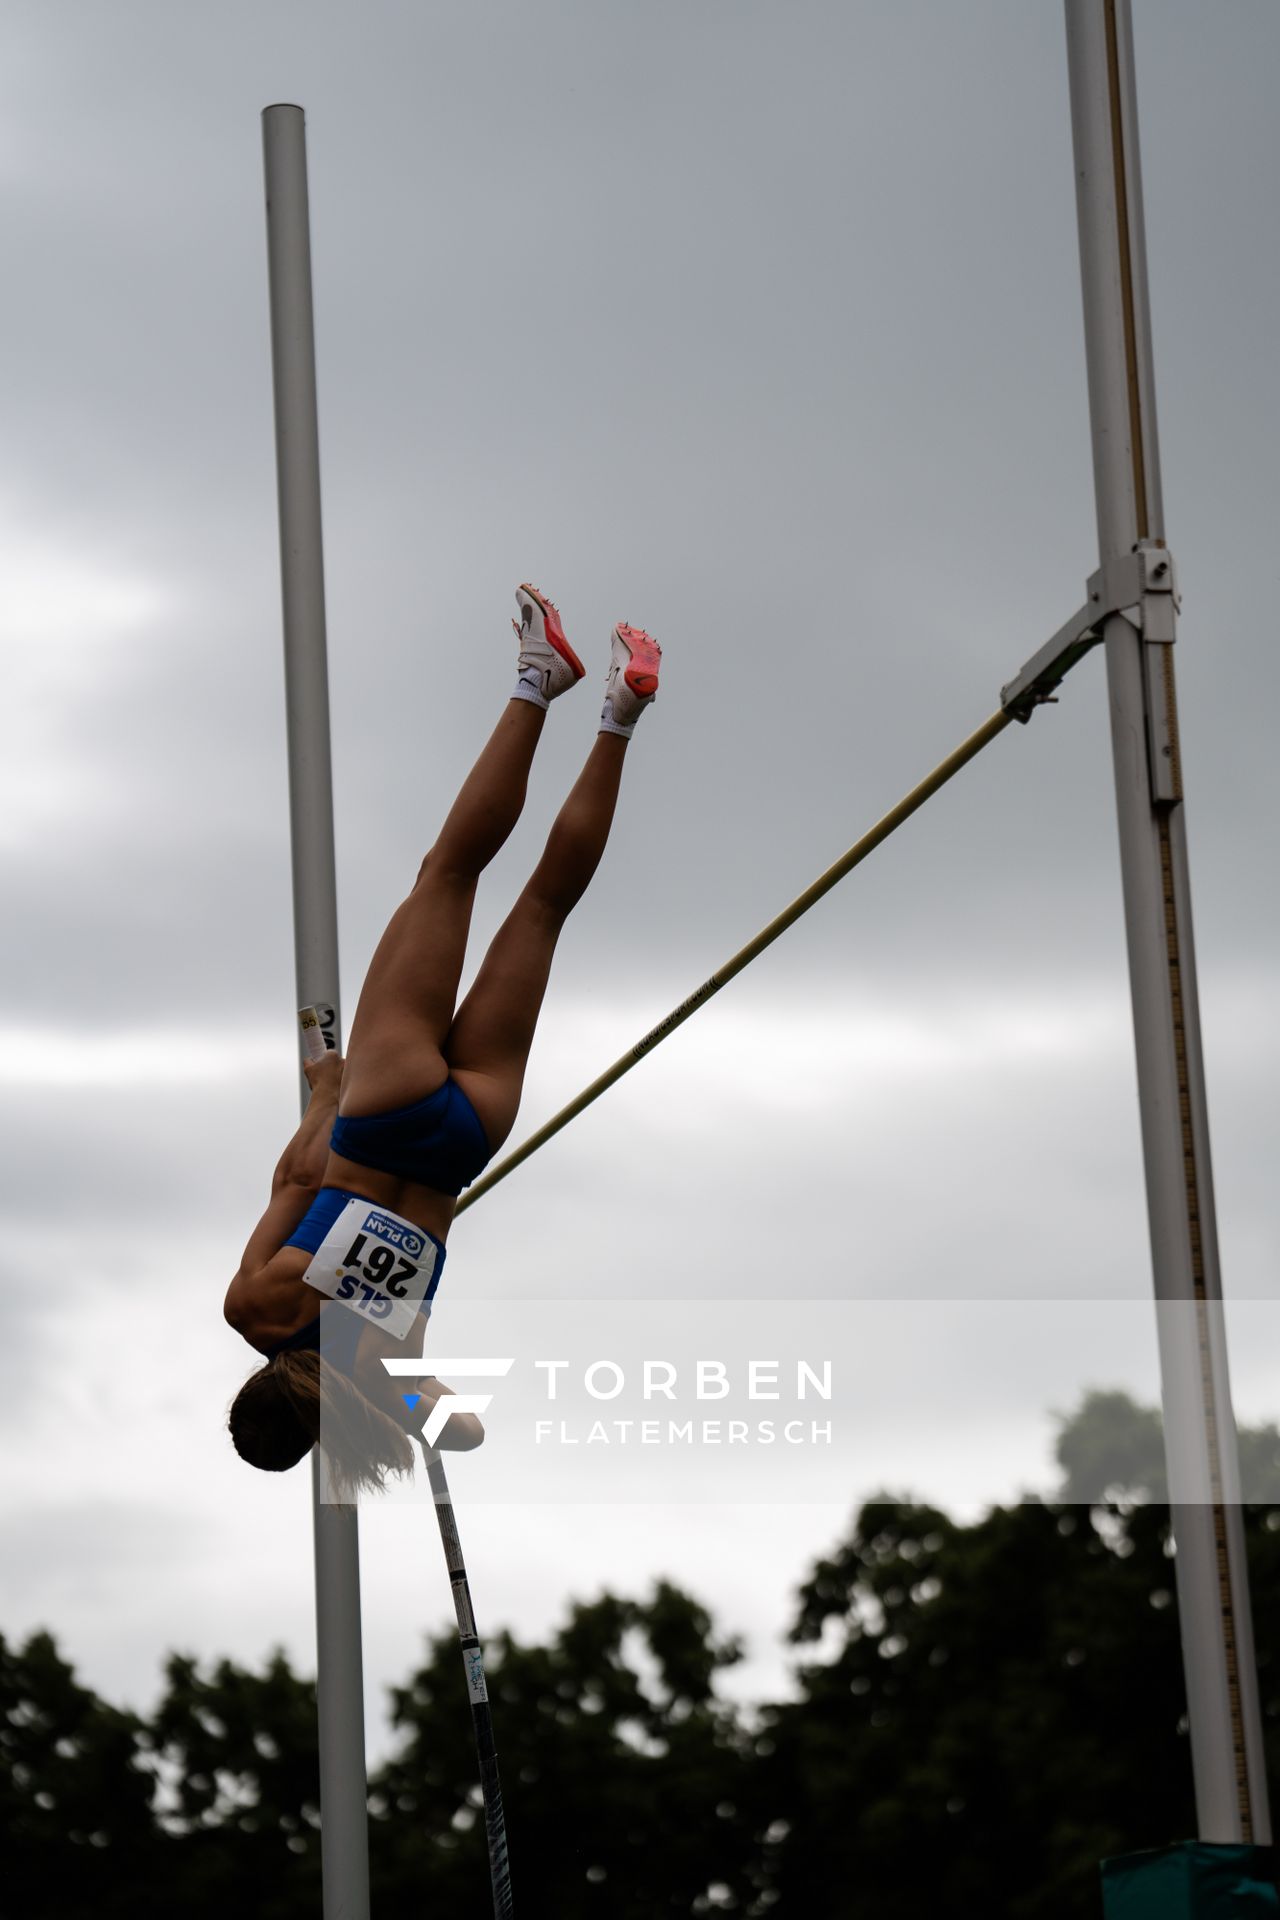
609	725
533	693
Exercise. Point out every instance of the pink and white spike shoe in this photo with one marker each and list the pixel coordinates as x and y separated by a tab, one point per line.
632	680
548	665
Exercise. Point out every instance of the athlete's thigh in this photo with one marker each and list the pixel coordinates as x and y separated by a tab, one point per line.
406	1003
487	1047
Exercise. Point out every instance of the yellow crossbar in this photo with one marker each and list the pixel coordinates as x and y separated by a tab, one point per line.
892	820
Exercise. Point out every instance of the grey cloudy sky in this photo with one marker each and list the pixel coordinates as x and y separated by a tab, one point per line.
759	326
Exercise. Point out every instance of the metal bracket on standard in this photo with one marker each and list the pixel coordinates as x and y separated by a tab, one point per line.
1142	585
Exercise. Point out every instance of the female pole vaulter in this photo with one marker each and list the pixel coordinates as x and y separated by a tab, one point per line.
364	1193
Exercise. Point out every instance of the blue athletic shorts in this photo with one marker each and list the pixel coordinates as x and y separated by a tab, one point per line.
438	1142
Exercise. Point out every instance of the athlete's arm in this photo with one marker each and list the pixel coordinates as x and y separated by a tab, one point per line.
303	1160
295	1182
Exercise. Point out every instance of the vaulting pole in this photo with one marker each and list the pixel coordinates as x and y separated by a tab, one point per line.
495	1822
1199	1428
344	1838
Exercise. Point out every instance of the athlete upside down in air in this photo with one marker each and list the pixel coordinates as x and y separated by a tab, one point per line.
427	1092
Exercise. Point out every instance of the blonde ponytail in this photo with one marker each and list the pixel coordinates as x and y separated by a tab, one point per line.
296	1400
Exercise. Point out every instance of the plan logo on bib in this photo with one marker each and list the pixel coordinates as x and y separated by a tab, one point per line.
404	1238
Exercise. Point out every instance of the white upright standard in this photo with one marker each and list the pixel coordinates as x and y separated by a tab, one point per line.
344	1830
1199	1428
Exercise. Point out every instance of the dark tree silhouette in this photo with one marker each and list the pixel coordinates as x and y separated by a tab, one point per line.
75	1795
622	1772
236	1753
982	1713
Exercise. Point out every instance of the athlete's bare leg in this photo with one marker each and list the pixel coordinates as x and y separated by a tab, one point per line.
395	1051
488	1044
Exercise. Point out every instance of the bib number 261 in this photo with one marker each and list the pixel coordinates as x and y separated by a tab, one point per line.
378	1270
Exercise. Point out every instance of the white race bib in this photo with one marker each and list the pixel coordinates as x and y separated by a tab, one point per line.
377	1263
